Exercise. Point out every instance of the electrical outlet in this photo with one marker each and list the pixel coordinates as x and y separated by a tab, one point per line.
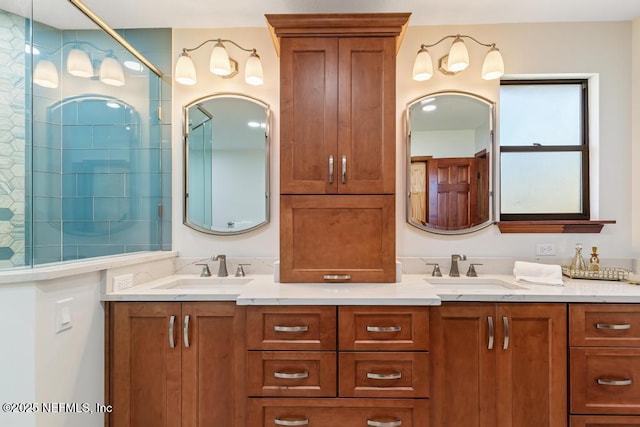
545	249
124	281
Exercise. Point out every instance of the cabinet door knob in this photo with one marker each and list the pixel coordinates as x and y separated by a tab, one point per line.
279	422
613	326
373	423
604	381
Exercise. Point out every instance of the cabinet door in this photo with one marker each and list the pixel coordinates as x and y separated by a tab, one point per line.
343	238
212	365
532	365
366	115
309	114
145	365
463	365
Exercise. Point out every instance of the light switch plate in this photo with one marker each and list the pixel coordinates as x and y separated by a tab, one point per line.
63	315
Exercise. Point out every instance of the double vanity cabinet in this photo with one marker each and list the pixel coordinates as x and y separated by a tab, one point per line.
458	364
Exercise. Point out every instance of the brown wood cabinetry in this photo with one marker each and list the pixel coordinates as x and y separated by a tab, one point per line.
337	139
333	379
176	364
498	365
605	364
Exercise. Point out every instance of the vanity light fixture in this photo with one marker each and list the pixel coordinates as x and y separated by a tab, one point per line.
219	64
79	64
457	59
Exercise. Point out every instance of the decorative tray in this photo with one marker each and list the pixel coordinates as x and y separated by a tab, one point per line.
604	273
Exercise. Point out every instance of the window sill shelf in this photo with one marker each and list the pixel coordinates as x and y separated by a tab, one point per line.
575	226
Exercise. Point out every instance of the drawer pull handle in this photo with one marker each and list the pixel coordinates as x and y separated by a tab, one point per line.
337	277
279	422
384	328
373	423
603	381
394	376
291	376
616	327
279	328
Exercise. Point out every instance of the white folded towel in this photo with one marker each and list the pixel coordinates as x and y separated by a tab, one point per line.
539	274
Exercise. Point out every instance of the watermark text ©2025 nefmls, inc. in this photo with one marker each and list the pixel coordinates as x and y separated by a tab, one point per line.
56	407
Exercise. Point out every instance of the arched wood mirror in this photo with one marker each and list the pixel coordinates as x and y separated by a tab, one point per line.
226	164
450	152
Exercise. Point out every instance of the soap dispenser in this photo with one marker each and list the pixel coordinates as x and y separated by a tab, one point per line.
578	263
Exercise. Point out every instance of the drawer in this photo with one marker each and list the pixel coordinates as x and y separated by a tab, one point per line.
338	412
389	374
383	328
605	380
291	373
604	325
604	421
291	328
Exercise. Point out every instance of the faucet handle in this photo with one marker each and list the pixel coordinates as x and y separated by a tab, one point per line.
471	272
240	271
205	270
436	269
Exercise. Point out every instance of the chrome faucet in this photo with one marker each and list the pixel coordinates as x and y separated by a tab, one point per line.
222	267
453	271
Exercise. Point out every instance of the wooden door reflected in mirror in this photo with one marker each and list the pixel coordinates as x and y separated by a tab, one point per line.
449	163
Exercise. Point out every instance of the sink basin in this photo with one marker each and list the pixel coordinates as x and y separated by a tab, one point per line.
217	284
471	283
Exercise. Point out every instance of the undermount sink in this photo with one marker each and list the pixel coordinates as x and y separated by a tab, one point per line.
471	283
219	284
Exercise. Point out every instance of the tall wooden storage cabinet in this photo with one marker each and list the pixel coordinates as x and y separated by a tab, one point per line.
337	145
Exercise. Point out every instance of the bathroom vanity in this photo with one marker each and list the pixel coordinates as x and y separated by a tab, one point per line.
277	354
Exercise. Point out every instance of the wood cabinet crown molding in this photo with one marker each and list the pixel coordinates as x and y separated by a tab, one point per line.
337	24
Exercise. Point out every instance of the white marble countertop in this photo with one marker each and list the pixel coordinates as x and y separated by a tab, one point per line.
414	289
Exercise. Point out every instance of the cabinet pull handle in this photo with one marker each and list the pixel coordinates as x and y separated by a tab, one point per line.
337	277
344	169
291	376
384	328
185	331
373	423
604	381
331	169
279	328
505	323
279	422
491	333
617	327
172	322
394	376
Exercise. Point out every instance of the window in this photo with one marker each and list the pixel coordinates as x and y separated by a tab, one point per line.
544	150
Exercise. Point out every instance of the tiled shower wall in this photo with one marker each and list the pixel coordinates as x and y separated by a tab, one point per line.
12	140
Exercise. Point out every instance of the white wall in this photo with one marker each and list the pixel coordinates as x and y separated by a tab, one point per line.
40	366
599	49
